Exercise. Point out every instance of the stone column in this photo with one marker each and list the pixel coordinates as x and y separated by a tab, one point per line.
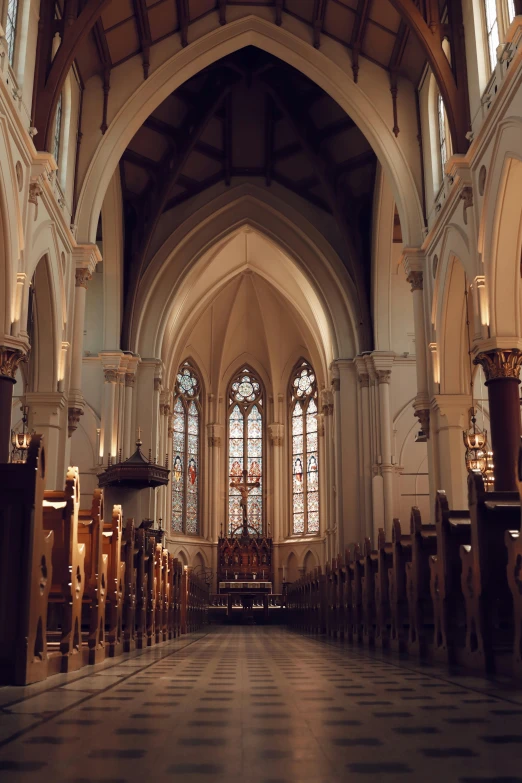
384	377
422	400
365	469
276	432
128	434
327	407
501	368
214	440
45	416
109	396
11	355
451	418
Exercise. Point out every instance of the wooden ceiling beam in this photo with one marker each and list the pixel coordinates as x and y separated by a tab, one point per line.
279	12
352	164
290	185
222	12
269	140
217	85
358	32
51	76
454	100
287	151
340	126
142	22
291	106
394	65
209	182
318	20
183	20
104	54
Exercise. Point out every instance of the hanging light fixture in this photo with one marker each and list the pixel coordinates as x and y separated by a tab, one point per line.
20	440
479	457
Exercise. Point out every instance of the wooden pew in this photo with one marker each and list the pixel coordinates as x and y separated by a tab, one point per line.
420	604
370	562
159	575
401	554
357	571
64	618
166	595
25	569
340	572
150	570
489	600
514	576
348	597
90	533
116	582
453	529
382	591
141	588
130	557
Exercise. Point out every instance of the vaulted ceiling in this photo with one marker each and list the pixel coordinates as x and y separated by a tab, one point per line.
249	117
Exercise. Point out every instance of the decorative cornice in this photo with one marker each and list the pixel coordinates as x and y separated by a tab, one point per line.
500	363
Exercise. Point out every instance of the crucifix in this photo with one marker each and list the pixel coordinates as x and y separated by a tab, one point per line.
245	487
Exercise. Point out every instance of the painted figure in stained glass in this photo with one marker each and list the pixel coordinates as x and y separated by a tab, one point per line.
185	450
192	471
303	401
245	454
177	469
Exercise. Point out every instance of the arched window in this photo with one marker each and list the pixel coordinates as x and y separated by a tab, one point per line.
185	452
492	33
57	129
245	450
10	28
305	452
443	144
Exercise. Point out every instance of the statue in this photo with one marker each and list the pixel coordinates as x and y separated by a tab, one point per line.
245	487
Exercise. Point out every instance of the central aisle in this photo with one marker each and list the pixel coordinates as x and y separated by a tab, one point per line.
263	705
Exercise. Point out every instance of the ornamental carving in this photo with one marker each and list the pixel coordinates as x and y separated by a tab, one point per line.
157	384
466	195
73	415
82	277
384	376
10	360
214	441
276	431
130	380
111	376
327	405
415	279
423	415
364	380
500	363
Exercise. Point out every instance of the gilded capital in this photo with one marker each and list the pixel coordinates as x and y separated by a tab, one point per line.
73	415
111	376
500	363
415	279
384	376
10	360
82	277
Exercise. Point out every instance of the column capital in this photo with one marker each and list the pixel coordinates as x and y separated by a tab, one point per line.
452	407
413	260
416	280
500	363
12	353
384	376
73	416
85	257
276	431
214	432
82	276
423	415
111	376
381	362
326	401
130	379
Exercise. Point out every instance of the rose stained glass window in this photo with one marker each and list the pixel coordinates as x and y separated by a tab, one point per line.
186	452
305	451
245	451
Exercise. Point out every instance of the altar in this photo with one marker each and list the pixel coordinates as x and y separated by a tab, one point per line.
247	592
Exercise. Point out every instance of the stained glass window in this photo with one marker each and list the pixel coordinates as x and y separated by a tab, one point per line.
10	28
57	129
490	7
185	452
443	147
245	451
305	451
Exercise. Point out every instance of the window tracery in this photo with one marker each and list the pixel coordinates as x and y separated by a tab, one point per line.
10	29
185	452
245	450
305	451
